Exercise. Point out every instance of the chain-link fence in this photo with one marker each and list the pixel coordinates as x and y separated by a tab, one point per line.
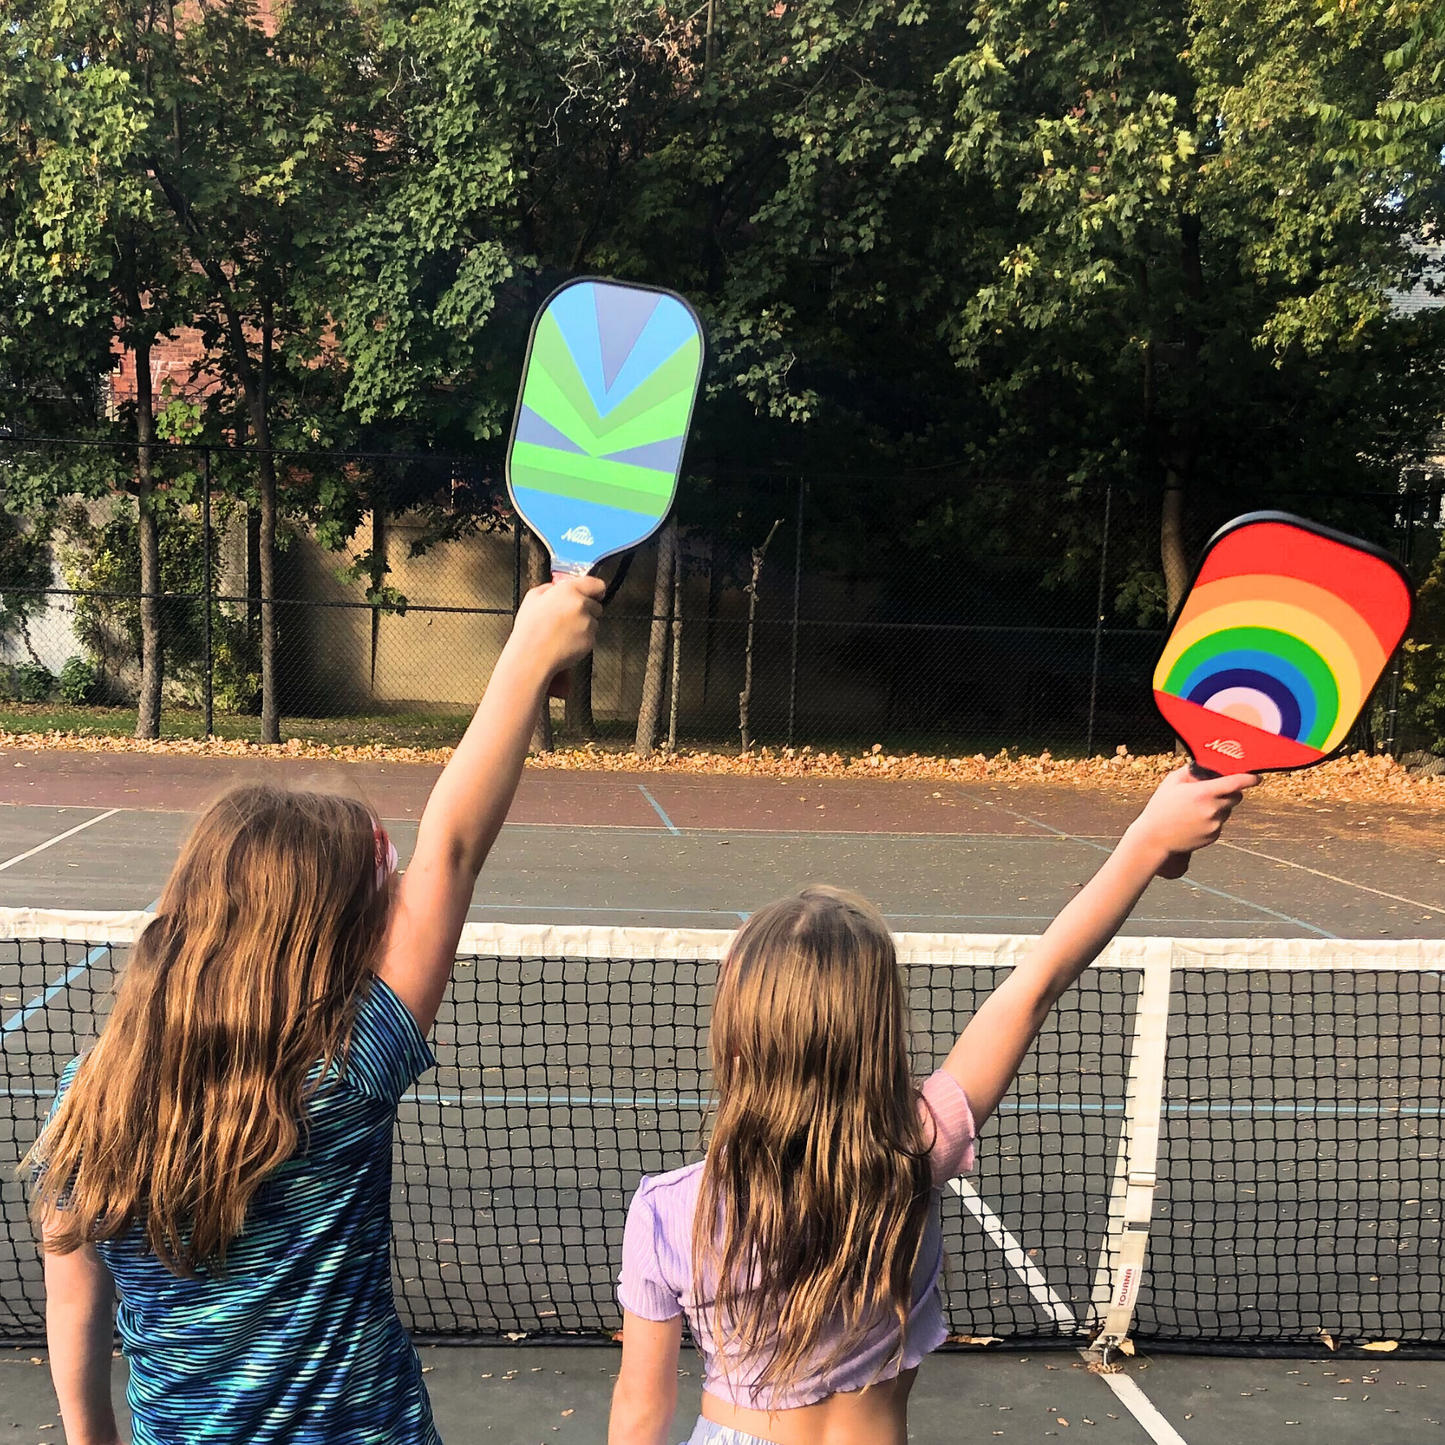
919	613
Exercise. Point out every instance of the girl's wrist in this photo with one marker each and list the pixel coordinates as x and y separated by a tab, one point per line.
1138	848
522	666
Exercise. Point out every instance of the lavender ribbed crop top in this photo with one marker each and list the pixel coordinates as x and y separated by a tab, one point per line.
656	1281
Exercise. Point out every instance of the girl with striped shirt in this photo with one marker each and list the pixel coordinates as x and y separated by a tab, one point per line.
220	1162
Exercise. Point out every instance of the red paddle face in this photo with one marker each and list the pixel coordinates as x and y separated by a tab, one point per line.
1279	644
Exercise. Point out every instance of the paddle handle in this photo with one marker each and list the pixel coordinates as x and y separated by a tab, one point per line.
1176	865
561	685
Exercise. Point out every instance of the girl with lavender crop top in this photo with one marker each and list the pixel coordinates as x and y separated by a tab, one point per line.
805	1250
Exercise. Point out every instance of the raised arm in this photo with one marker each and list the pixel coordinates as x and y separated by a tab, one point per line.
1184	814
555	628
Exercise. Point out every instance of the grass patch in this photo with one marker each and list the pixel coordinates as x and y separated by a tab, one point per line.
412	730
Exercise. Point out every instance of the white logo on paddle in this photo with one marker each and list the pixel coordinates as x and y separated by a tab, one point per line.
579	534
1228	747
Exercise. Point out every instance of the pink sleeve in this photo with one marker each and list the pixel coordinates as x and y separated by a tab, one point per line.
953	1130
641	1288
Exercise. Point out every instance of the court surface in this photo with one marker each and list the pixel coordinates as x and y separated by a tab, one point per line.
101	831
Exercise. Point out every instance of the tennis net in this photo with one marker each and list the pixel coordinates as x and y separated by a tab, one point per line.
1265	1115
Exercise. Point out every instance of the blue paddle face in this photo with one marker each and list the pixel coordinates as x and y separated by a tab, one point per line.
611	377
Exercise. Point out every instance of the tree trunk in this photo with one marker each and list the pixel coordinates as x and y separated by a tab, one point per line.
266	476
1171	540
578	714
538	572
254	389
676	650
378	580
148	710
652	679
745	697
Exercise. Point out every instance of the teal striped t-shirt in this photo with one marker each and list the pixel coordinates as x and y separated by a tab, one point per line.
298	1340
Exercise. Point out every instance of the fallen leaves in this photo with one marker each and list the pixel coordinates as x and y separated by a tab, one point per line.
1359	778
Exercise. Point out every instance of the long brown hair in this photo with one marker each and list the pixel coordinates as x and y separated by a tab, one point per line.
815	1193
250	973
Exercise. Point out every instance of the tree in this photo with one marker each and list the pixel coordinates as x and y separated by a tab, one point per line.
780	166
188	170
88	257
1185	283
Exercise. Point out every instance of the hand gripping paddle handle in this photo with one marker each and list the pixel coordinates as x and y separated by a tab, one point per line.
561	685
1176	865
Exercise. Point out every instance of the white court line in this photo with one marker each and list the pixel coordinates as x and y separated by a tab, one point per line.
1142	1408
58	838
1318	873
1125	1388
1193	883
483	909
1015	1254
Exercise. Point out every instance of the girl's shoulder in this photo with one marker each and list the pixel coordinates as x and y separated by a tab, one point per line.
675	1185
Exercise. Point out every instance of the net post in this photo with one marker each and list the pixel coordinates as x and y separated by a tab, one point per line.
1131	1201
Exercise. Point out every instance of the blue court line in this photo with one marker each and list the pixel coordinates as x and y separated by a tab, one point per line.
1221	1108
671	826
20	1017
18	1020
1217	1109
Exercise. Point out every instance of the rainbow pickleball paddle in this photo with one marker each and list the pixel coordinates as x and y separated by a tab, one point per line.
1281	640
608	389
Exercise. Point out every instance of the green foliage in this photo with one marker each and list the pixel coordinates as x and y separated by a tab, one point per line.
101	557
31	682
24	573
1015	251
1423	688
79	683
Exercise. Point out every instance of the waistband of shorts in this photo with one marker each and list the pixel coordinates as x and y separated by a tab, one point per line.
709	1432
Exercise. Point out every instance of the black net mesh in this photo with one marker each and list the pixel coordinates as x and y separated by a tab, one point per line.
1299	1166
1300	1169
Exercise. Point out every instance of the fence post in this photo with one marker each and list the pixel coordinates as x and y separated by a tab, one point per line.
207	680
797	590
1099	619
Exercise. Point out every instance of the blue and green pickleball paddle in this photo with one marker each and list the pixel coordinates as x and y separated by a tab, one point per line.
608	389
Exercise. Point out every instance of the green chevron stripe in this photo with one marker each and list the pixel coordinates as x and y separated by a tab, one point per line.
643	480
579	489
553	376
555	404
674	378
655	410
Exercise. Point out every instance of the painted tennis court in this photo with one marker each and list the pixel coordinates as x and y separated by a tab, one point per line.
1299	1106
